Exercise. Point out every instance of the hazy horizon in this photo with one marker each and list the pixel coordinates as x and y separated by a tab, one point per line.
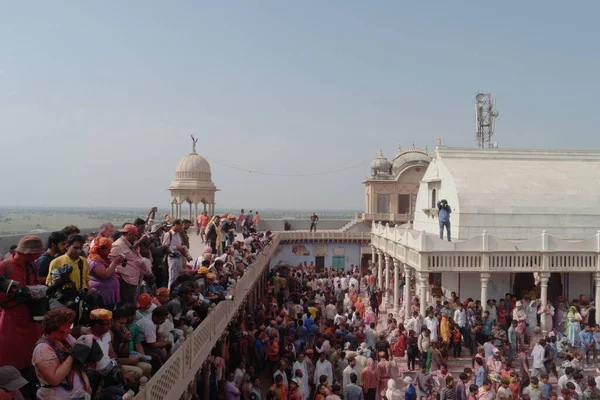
98	100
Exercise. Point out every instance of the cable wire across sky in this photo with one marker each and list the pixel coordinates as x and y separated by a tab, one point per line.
212	160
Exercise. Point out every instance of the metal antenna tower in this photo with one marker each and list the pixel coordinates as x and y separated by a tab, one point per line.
485	119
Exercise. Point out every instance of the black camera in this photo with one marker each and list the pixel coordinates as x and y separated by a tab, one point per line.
8	285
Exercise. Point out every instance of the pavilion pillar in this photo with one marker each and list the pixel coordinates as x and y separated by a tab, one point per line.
196	213
484	279
407	297
179	211
396	288
190	218
204	204
380	269
388	266
597	295
373	254
172	210
544	277
424	280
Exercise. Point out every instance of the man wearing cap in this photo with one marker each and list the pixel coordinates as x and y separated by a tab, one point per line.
158	251
137	267
18	331
80	274
144	306
10	383
100	323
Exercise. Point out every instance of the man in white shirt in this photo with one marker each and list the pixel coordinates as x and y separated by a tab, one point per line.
281	371
432	324
323	367
176	251
344	283
349	370
354	282
538	353
300	364
330	311
414	323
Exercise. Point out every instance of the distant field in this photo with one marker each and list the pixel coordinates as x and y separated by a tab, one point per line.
14	223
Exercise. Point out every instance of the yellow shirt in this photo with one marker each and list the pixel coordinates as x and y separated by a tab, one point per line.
64	260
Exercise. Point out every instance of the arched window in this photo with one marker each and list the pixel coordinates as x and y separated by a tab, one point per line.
433	198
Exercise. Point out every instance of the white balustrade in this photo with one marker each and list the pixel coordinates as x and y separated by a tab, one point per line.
175	376
484	253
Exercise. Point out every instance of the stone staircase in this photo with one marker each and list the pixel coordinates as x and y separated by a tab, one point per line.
350	224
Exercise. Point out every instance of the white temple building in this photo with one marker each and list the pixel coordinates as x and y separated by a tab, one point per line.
193	185
521	220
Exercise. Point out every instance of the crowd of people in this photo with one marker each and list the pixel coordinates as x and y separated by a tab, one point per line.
87	316
319	336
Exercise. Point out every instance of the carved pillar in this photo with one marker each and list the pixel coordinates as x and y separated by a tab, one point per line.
388	266
190	218
195	213
373	253
407	297
544	277
424	281
484	279
597	295
380	269
396	288
172	210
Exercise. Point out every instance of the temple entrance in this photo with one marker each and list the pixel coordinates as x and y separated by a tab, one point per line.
524	283
319	264
364	264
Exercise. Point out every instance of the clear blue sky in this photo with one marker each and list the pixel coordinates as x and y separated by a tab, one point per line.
98	99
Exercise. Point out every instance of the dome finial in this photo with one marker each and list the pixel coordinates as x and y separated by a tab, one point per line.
413	144
194	141
426	150
381	152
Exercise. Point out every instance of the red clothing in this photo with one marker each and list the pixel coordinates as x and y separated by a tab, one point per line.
18	331
370	378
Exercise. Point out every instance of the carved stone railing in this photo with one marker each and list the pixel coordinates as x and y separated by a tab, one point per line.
322	235
173	379
484	253
386	217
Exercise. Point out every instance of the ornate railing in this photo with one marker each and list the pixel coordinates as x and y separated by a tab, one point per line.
322	235
173	379
485	253
386	217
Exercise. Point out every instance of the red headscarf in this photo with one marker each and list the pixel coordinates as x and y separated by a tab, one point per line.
100	242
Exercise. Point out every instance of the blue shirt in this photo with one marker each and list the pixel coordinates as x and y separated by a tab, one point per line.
586	338
487	327
480	377
444	213
410	393
546	389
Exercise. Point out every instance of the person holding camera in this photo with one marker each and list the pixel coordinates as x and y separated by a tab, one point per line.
104	284
444	211
135	269
80	274
55	359
18	331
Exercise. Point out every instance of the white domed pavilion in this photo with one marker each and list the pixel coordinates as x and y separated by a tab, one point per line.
192	186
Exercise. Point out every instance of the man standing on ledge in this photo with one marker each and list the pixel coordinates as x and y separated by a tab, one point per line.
444	211
313	222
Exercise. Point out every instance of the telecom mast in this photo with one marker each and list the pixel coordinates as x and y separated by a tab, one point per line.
485	119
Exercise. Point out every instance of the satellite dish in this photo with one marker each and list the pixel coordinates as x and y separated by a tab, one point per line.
480	97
